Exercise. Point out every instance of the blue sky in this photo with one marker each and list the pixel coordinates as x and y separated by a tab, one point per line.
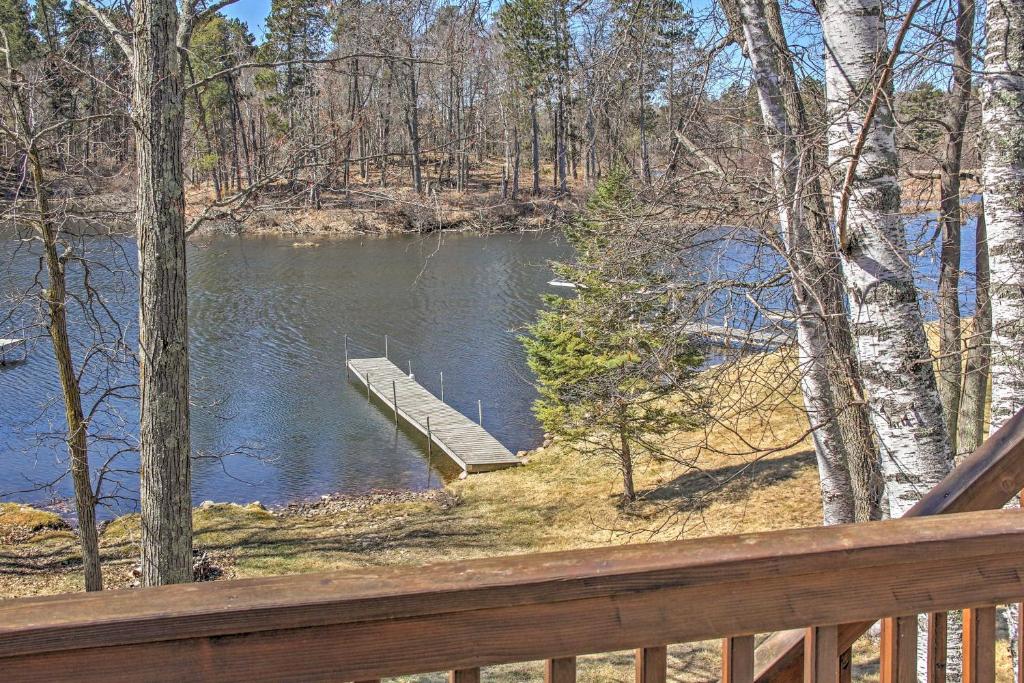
252	12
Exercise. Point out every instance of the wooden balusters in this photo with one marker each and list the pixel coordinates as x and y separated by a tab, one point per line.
738	659
980	645
652	665
938	623
560	670
846	666
821	654
464	676
898	656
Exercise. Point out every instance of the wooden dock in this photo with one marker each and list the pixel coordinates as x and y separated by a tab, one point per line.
461	439
8	345
738	337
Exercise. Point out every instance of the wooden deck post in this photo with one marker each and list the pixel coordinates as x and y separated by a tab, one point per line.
980	645
442	386
938	645
652	664
738	659
560	670
821	654
480	412
464	676
346	357
898	655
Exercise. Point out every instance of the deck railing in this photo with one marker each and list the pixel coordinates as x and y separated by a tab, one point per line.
363	625
825	584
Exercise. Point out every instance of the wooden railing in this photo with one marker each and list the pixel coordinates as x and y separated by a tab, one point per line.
955	550
987	480
364	625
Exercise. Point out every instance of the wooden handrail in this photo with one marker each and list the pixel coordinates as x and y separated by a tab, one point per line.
987	480
367	624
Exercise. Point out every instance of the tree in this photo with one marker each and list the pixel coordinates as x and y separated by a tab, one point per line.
950	219
609	359
529	39
19	33
1003	180
26	135
160	35
811	273
885	317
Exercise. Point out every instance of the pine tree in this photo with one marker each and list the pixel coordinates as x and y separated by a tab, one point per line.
17	29
610	359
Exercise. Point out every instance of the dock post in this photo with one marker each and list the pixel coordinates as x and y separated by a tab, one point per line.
346	356
410	368
430	448
386	346
367	386
394	399
442	386
480	412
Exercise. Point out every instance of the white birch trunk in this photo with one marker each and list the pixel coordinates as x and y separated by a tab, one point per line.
1002	102
787	171
1003	178
886	320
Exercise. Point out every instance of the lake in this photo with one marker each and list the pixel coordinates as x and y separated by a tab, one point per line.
272	410
273	417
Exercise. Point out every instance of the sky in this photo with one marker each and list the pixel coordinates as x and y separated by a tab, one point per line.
252	12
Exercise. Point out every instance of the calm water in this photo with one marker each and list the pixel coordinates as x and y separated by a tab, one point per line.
271	405
268	322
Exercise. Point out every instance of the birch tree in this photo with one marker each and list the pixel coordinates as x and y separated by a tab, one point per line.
885	315
787	171
1003	180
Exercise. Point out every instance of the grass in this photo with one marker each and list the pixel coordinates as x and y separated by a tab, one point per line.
750	468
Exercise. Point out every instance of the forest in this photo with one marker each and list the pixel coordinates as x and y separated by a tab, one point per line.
834	187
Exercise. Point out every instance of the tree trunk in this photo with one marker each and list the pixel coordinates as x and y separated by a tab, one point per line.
836	490
78	450
971	425
536	147
1003	178
950	357
412	123
887	326
164	446
626	465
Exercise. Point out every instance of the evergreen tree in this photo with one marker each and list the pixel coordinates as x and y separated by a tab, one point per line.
609	359
17	28
296	33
